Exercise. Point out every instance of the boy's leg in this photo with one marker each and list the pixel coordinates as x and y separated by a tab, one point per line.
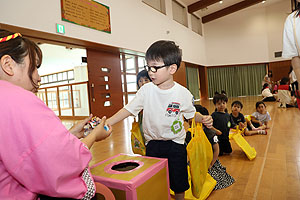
226	147
177	163
249	133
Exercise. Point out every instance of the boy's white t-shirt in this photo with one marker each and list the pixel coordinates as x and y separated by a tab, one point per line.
163	111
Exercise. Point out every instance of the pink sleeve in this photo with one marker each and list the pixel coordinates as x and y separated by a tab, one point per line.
39	152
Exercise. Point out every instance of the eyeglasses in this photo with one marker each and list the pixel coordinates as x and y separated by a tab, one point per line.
154	68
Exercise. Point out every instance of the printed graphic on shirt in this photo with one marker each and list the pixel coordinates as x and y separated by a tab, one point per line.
229	124
176	126
173	109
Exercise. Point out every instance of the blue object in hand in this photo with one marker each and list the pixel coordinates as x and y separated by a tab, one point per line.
106	128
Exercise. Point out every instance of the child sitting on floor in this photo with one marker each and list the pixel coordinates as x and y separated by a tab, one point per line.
261	117
284	94
240	120
216	169
222	122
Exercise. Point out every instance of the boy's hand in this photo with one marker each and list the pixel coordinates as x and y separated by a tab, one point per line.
207	120
241	125
100	132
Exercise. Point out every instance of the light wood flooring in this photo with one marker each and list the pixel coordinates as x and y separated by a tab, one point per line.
273	174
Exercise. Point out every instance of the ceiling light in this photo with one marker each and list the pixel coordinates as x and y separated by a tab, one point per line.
220	2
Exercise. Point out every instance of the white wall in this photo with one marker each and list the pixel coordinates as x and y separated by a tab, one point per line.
276	15
247	36
134	25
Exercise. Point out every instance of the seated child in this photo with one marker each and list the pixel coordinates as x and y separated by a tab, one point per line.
239	119
216	169
284	94
261	117
266	93
222	122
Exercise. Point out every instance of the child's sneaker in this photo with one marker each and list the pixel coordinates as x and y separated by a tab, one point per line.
263	132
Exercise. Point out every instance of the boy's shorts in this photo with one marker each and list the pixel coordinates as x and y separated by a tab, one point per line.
177	161
225	147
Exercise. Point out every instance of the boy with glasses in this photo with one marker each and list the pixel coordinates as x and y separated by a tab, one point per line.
164	103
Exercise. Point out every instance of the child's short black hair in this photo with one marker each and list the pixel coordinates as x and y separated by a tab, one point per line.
141	74
284	81
258	103
164	50
220	97
237	103
201	110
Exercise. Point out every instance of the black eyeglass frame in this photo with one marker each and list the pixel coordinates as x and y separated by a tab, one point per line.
154	68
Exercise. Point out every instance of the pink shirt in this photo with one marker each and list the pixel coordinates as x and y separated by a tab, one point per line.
38	155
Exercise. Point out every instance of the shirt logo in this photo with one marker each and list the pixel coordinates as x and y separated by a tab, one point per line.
173	109
229	124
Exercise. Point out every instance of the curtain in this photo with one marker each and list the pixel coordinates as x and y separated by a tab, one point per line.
193	81
236	80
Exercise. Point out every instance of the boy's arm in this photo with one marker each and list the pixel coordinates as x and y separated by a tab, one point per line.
215	155
218	132
205	119
120	115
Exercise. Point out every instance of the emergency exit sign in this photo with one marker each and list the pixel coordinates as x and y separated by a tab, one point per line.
60	28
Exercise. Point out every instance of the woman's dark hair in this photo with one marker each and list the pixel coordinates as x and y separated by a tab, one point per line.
220	97
265	86
164	50
258	103
141	74
18	48
284	81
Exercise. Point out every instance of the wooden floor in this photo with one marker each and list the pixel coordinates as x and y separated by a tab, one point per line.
273	174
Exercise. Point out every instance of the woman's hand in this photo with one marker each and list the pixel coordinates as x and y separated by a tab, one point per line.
77	129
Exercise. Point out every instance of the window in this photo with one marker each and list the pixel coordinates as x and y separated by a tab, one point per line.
131	65
179	13
196	24
59	77
156	4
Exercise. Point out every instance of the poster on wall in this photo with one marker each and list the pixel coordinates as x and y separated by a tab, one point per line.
86	13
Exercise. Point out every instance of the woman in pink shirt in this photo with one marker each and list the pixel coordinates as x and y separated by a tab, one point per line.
38	155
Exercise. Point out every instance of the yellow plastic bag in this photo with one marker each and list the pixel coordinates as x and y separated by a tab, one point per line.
207	188
137	143
200	155
243	144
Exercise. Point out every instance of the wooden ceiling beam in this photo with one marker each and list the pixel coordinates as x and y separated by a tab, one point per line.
229	10
200	5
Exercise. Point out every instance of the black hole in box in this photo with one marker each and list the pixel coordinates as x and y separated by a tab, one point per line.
125	166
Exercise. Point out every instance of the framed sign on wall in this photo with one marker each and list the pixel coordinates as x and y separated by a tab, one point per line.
86	13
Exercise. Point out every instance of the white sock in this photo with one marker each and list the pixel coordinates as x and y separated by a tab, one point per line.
263	132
